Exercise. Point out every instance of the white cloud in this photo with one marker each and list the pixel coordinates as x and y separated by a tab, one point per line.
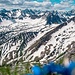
63	5
37	5
46	4
16	1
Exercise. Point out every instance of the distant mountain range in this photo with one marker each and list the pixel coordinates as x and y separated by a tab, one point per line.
51	16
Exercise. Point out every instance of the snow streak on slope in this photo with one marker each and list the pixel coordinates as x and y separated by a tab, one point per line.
15	36
32	40
52	44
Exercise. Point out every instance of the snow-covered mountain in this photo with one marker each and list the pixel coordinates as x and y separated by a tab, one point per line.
51	17
32	35
14	14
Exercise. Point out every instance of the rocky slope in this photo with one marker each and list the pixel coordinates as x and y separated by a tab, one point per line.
43	38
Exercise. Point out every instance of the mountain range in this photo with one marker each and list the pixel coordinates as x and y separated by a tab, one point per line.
34	35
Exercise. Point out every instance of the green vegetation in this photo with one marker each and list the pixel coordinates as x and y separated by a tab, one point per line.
18	69
21	68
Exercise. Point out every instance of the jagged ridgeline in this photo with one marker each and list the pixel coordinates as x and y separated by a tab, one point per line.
27	35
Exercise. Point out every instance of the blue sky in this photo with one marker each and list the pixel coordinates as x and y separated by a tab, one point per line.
61	5
53	1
